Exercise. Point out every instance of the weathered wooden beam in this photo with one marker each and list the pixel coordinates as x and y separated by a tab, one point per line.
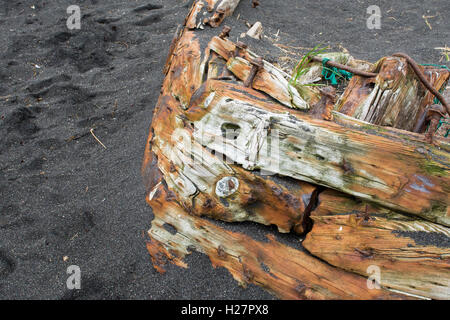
193	19
398	173
217	67
408	137
412	256
331	202
285	271
277	87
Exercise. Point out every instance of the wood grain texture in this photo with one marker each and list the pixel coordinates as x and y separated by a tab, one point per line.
395	98
412	255
405	175
287	272
219	150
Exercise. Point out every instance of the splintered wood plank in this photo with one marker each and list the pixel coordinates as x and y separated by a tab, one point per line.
223	9
217	67
395	172
412	256
395	98
287	272
277	87
269	79
192	20
187	68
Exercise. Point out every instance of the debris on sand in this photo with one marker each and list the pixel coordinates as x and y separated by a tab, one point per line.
359	172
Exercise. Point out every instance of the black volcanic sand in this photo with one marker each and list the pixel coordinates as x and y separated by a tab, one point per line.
63	194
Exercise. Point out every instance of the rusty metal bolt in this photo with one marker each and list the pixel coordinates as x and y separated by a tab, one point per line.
225	32
225	187
240	47
434	114
257	64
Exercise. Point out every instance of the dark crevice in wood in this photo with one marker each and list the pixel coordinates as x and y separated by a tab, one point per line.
308	223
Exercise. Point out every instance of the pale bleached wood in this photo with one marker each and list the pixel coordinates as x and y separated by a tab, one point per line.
385	170
395	98
225	8
256	31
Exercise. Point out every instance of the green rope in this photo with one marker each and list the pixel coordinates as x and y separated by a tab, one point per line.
330	73
435	65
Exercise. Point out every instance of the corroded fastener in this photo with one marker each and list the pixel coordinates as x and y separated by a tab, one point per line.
226	186
225	32
255	3
434	114
257	64
240	47
431	115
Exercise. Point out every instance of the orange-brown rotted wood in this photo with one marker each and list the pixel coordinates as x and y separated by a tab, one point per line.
287	272
393	171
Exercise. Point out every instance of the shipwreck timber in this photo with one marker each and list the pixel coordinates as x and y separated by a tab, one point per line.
234	139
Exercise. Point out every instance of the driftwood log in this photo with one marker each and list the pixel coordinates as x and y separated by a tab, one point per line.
365	196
